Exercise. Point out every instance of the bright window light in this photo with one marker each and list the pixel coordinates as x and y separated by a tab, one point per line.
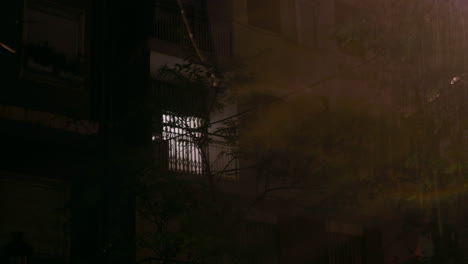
181	133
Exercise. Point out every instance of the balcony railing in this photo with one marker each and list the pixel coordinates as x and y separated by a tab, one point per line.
210	36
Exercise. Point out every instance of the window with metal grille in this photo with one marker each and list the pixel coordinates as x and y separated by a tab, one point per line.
181	134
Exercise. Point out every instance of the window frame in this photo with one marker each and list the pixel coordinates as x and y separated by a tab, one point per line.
72	14
183	155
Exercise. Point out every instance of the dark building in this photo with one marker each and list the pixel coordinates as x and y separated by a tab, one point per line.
73	74
76	80
76	77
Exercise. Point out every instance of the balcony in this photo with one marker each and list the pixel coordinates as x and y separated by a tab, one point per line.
211	36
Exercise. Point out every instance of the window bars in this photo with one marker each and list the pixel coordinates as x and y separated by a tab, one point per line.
182	135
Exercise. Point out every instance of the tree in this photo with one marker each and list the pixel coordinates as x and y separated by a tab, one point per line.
187	216
191	219
337	155
424	64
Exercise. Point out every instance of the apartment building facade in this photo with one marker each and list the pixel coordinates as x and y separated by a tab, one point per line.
287	46
80	70
72	73
290	49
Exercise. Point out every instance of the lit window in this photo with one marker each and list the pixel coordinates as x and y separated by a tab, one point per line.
182	133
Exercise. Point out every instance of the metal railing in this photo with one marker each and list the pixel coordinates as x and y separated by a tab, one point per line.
178	126
181	135
210	35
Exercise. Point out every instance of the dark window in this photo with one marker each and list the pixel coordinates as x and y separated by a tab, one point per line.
53	38
9	24
265	14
